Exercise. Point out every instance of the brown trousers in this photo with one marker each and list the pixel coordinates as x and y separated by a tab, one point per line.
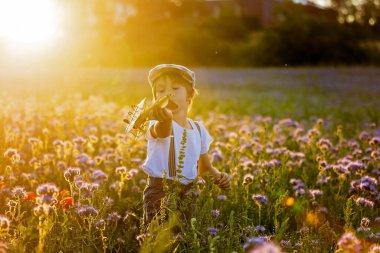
154	193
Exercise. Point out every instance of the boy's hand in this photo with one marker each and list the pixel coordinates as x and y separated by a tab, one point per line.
223	181
161	114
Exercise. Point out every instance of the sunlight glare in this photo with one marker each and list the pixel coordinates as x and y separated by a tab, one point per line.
28	22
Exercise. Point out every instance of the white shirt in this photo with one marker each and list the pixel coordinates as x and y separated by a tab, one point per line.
158	151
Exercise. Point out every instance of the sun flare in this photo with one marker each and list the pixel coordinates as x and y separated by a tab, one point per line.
28	22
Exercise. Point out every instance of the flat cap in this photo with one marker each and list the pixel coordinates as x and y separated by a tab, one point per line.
158	70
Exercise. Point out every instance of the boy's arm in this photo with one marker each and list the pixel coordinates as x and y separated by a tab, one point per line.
163	127
205	168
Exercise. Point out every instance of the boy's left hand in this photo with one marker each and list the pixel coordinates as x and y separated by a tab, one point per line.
223	181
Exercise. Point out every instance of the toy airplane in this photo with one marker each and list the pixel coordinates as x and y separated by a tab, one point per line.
141	113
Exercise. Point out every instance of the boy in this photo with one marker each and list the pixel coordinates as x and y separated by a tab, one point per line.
164	139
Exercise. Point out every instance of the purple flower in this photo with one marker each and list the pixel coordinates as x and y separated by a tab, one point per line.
349	242
100	224
260	199
113	217
215	213
212	231
222	197
71	173
365	202
259	228
87	211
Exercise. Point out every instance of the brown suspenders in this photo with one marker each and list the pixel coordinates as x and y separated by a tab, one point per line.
171	159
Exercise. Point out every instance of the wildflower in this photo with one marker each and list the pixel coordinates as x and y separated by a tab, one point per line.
365	202
248	179
121	170
19	192
364	135
260	199
212	231
100	224
113	217
41	210
140	238
87	211
349	242
31	196
324	145
374	248
71	173
375	141
222	197
375	155
128	214
107	201
99	175
253	241
46	199
259	228
9	153
285	243
48	188
377	220
215	213
364	222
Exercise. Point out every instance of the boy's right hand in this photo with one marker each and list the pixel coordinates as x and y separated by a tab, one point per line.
161	114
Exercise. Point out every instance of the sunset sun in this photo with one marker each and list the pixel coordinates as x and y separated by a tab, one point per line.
28	22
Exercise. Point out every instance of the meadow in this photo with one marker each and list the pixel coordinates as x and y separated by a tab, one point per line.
302	146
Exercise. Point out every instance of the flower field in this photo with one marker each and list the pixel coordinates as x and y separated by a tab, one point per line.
304	161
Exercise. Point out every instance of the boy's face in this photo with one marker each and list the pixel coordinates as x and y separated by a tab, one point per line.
165	86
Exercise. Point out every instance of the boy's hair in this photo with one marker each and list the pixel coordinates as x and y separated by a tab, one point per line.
176	77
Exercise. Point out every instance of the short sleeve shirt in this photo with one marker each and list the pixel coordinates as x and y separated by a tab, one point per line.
158	150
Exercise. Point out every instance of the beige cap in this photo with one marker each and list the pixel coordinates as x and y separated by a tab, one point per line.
186	73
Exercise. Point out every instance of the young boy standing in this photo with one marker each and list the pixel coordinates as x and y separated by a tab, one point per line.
164	137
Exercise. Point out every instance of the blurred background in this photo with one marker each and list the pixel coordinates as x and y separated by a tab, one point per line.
279	58
244	33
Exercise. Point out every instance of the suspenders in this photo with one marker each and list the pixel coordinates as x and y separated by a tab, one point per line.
171	159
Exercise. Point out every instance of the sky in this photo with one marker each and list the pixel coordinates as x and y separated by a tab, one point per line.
319	2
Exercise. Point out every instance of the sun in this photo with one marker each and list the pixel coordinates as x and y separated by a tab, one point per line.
28	22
